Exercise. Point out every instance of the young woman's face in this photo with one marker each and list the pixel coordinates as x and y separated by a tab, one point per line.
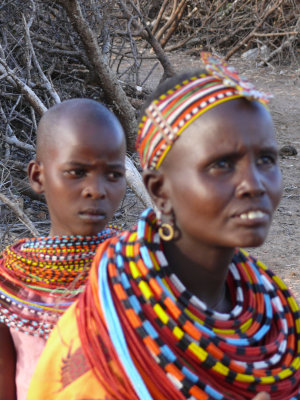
223	178
83	178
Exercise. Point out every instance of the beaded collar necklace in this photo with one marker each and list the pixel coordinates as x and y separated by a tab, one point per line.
41	277
170	345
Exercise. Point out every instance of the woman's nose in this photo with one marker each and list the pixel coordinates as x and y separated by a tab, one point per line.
251	183
95	189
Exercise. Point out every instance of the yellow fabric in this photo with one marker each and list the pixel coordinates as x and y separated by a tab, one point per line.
62	372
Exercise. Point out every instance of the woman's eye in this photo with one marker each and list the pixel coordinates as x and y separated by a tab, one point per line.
115	175
76	173
266	160
222	164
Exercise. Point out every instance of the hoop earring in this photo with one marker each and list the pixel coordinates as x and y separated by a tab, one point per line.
166	232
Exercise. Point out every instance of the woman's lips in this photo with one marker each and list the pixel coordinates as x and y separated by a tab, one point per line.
253	217
92	215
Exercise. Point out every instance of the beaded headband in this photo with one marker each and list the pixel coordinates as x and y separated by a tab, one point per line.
169	115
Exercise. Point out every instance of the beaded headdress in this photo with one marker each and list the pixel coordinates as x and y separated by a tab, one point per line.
169	115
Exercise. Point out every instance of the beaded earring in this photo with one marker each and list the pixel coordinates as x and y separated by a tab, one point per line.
166	230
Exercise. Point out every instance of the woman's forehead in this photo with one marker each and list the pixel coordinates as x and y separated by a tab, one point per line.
234	110
227	128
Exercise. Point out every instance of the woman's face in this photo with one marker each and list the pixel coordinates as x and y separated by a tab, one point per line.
222	177
83	177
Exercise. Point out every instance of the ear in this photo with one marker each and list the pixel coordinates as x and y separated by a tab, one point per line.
156	185
35	176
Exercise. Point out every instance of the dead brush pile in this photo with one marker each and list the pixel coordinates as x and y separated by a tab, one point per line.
59	49
231	27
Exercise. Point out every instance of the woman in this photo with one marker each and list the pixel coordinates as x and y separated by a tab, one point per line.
79	168
174	309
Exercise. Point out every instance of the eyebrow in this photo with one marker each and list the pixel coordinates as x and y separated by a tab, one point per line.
116	165
235	153
86	164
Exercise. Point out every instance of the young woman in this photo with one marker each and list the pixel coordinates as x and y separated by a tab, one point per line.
174	309
80	168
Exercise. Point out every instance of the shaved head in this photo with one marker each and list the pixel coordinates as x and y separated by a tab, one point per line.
79	166
71	115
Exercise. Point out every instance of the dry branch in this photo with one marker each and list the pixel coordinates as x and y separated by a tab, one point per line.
20	214
135	181
46	83
151	39
159	17
114	93
173	20
30	95
14	141
268	12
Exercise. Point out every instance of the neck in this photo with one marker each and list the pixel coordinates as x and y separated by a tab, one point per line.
203	272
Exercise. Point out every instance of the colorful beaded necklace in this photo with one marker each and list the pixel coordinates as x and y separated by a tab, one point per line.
169	344
41	277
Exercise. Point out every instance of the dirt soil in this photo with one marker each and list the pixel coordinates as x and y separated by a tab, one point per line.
281	251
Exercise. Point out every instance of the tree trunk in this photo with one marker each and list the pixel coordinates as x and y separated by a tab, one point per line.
112	89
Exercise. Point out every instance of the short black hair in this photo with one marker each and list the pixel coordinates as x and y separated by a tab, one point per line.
168	84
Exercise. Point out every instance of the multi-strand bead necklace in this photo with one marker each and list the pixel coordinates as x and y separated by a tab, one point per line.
170	345
41	277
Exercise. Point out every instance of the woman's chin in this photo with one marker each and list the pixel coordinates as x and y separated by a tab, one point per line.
256	241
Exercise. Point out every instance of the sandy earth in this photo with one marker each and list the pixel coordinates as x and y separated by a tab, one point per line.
281	252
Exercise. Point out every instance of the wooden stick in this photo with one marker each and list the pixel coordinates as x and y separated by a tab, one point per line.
20	214
276	34
251	34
